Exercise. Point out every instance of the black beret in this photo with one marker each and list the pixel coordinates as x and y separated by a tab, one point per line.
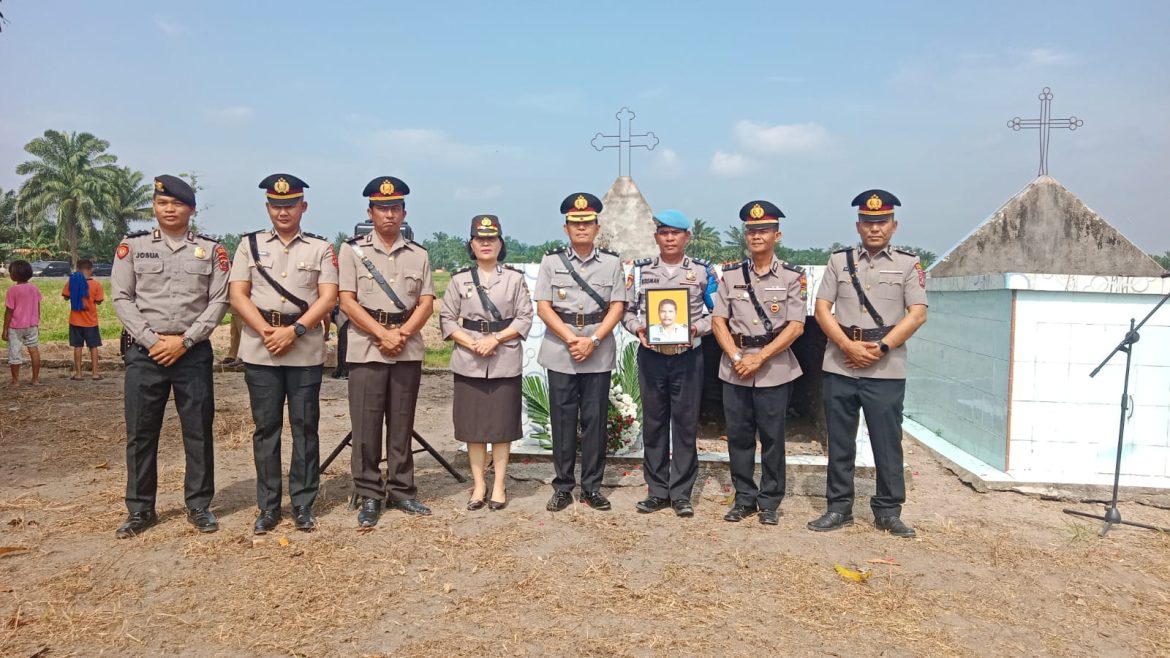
176	187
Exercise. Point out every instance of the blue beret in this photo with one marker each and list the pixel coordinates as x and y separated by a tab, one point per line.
673	219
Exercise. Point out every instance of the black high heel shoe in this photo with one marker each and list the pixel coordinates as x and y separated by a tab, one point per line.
495	507
477	504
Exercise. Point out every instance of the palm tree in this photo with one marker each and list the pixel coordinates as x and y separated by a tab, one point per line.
72	179
705	242
734	247
131	202
8	228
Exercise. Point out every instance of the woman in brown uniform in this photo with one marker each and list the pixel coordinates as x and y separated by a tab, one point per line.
487	311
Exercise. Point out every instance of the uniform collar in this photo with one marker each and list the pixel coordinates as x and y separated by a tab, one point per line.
887	250
573	254
157	235
272	235
377	243
772	267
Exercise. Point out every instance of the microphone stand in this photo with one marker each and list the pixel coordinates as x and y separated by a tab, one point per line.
1112	515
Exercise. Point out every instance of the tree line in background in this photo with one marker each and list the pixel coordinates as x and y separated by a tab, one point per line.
78	201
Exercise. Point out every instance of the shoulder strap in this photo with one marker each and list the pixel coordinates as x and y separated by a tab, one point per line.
851	267
746	268
483	298
581	282
381	280
301	304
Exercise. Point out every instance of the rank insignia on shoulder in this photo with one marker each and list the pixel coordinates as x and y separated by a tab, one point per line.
611	252
513	268
730	265
907	252
137	234
843	250
461	271
314	235
554	252
793	268
642	262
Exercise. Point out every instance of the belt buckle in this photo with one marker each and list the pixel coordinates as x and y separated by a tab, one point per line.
857	333
274	319
383	317
579	321
484	327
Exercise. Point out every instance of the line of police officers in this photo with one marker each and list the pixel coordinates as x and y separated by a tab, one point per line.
172	287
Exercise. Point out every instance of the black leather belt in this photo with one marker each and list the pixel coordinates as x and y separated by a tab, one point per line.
278	319
580	320
753	341
868	335
487	326
670	350
385	318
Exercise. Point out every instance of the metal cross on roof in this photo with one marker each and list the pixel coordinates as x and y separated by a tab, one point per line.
1044	124
625	140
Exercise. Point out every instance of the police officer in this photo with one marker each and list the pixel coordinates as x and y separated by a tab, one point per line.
872	299
759	313
387	292
170	291
670	376
580	295
283	283
487	312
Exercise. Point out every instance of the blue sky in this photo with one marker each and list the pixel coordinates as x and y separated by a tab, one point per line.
490	107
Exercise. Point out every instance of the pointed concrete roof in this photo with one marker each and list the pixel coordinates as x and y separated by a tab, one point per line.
1045	229
627	222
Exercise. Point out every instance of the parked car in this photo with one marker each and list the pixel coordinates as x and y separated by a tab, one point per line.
102	269
51	268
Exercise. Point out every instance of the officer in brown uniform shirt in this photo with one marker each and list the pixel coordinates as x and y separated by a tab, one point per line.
169	288
487	312
759	312
670	376
387	292
579	350
283	283
871	300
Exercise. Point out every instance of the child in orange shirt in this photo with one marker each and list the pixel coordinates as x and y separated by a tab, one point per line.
84	294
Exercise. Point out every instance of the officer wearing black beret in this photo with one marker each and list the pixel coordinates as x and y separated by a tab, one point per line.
870	302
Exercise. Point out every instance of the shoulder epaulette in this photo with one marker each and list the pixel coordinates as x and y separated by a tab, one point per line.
419	245
511	267
731	265
841	251
701	261
554	252
314	235
207	237
353	240
908	253
793	268
137	234
611	252
256	232
461	271
642	262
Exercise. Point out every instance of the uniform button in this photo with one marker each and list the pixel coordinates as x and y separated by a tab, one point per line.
391	280
391	259
283	300
755	321
867	286
283	274
286	251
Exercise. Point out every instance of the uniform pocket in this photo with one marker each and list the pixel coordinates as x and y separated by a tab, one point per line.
196	275
413	280
306	275
366	284
148	274
890	286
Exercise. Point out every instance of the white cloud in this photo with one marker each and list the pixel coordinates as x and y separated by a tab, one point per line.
233	114
781	138
729	164
667	163
1047	57
168	27
479	193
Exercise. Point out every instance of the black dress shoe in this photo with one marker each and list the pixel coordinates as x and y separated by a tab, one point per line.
738	513
683	508
266	522
770	516
371	511
893	525
135	523
203	520
303	518
474	504
830	521
411	506
652	504
559	501
595	500
495	505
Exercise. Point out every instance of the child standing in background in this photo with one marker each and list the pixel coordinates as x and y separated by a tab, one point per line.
22	316
84	294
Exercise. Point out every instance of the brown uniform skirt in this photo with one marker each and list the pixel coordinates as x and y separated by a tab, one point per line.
486	410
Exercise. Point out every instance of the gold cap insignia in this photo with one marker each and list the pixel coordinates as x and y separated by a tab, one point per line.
874	202
158	186
756	212
580	203
281	186
386	188
486	221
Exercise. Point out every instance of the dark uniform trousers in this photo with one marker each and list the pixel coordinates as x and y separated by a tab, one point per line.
383	394
881	399
585	397
752	409
672	391
342	369
268	388
148	386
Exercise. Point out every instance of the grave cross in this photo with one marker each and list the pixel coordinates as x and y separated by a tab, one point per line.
625	140
1044	124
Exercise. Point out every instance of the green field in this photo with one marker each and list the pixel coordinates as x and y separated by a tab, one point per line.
439	356
55	309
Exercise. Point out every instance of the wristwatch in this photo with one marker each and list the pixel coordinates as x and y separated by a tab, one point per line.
496	335
737	357
883	347
596	341
187	342
299	329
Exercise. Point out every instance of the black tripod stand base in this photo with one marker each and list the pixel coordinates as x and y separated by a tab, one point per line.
1111	518
426	447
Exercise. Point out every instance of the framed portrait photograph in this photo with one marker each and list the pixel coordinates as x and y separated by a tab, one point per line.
668	319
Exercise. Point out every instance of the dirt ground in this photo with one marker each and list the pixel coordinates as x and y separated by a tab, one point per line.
989	574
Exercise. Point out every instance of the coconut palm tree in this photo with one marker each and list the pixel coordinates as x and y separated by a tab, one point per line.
72	180
131	202
705	242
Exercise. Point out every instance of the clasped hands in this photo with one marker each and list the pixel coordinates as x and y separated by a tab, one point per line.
861	354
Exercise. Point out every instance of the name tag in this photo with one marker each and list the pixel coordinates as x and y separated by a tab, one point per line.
890	271
262	253
560	271
740	286
771	288
147	254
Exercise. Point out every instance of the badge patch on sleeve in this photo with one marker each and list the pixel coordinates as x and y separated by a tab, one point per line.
333	255
803	288
921	275
629	280
123	251
221	258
